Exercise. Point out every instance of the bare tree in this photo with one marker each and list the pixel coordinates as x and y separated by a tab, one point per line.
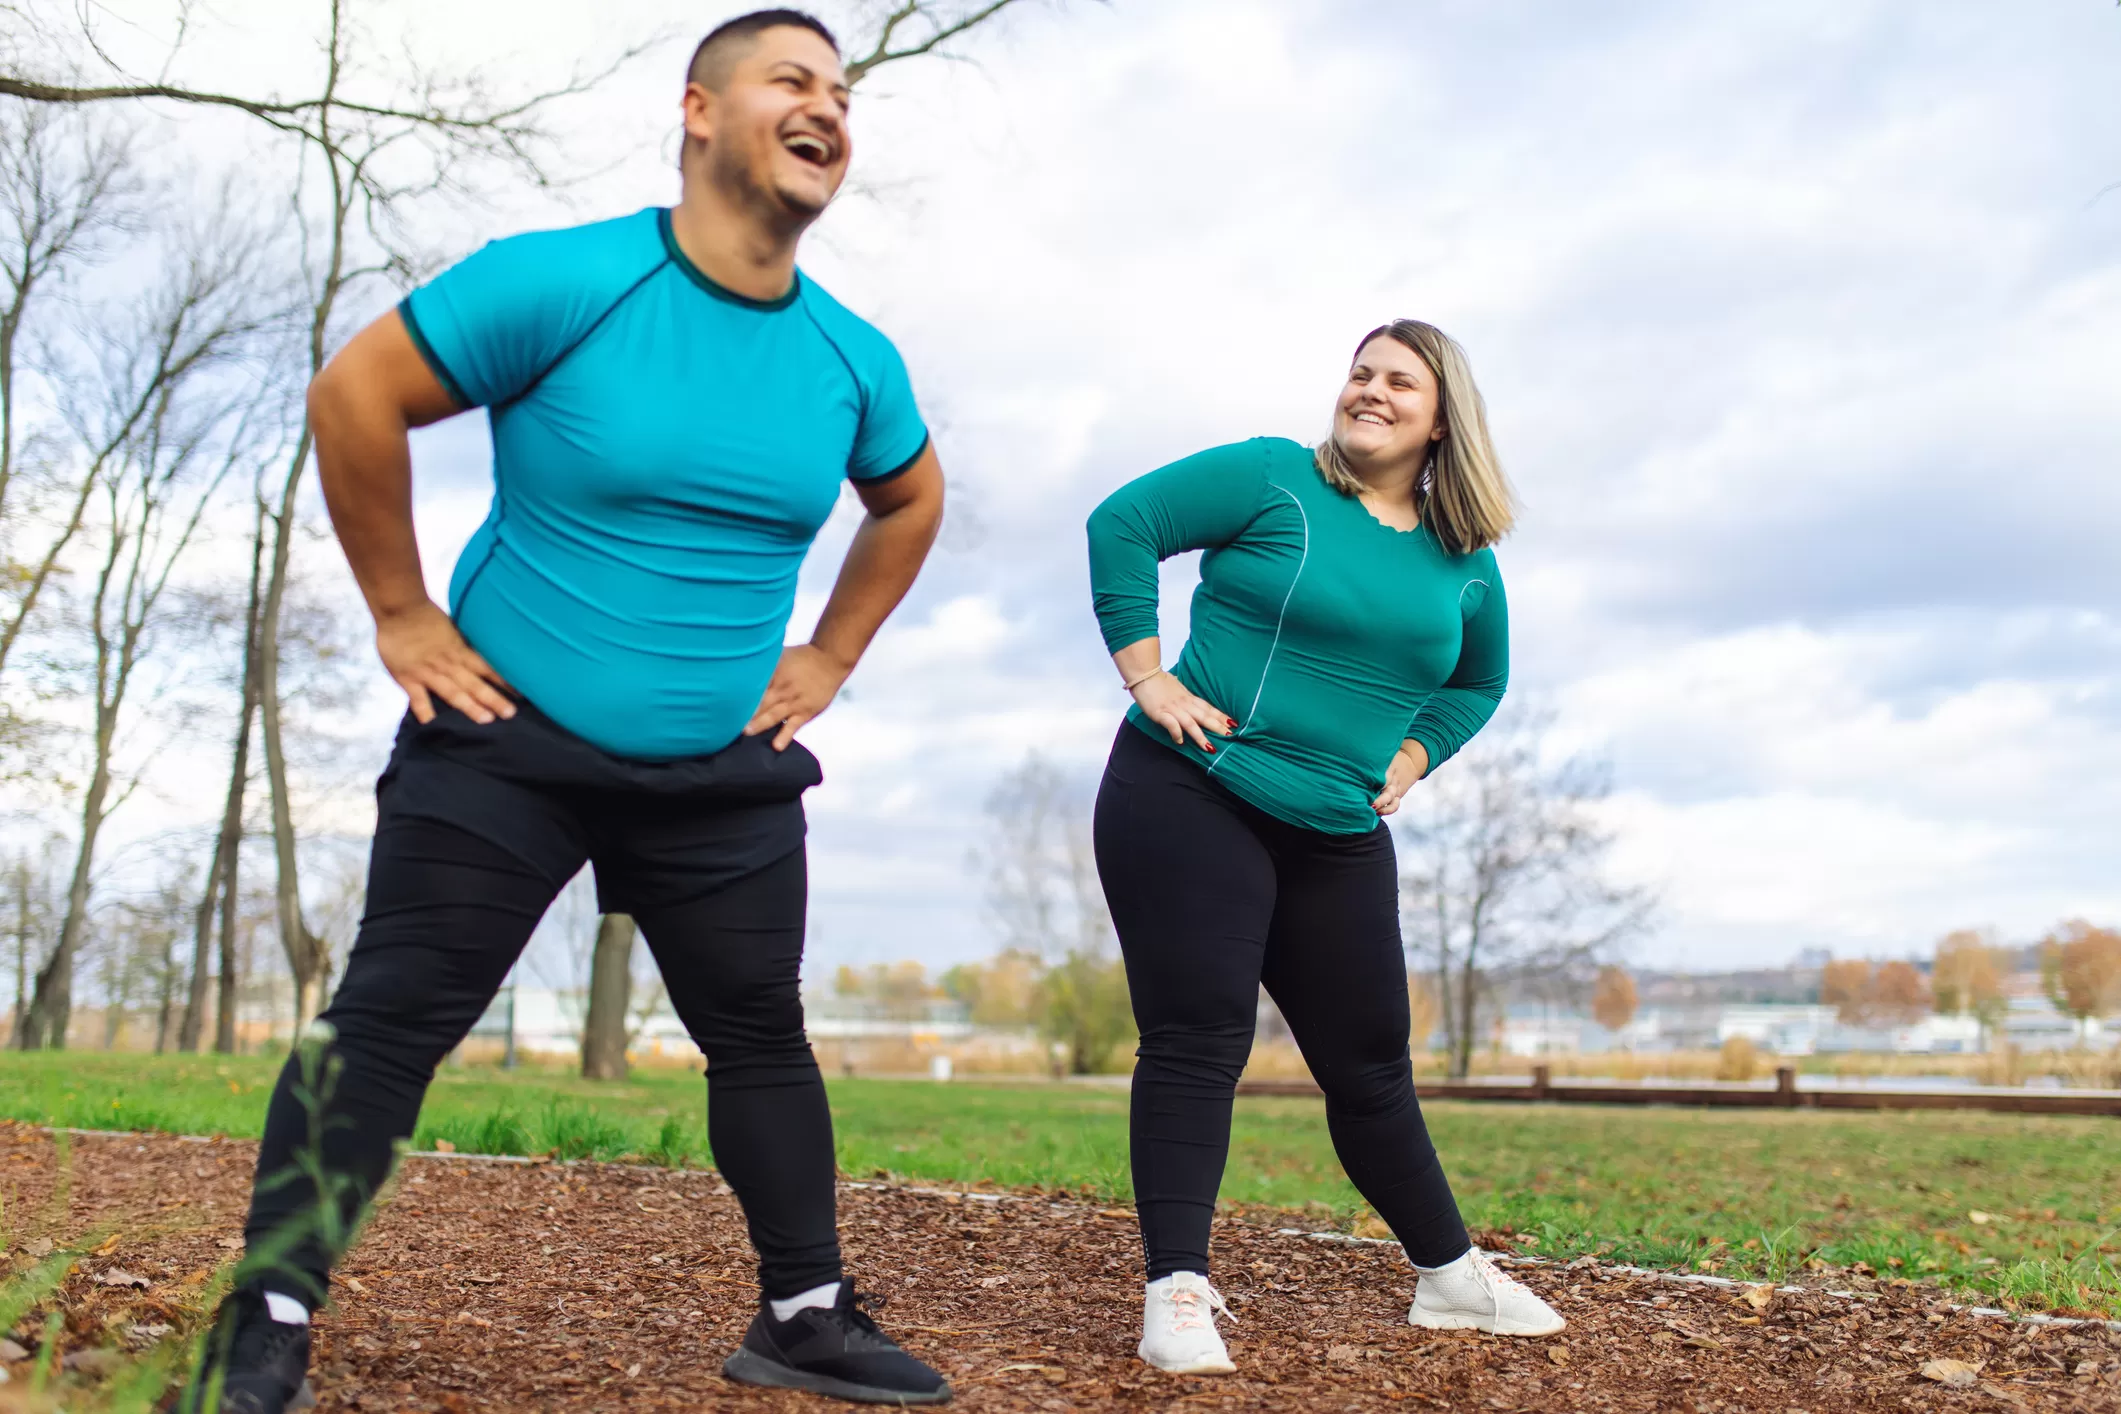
222	878
33	913
1502	876
1045	900
172	353
66	189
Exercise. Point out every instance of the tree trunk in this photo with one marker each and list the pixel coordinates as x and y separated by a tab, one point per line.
610	983
222	869
228	984
22	912
308	958
52	1008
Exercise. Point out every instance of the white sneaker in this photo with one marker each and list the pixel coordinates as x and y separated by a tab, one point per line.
1178	1326
1473	1294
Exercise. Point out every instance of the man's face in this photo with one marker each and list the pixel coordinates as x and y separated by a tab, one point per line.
778	127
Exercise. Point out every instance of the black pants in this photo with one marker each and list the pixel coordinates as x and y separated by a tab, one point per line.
478	828
1211	898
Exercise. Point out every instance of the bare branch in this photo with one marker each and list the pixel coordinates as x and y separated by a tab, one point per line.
942	33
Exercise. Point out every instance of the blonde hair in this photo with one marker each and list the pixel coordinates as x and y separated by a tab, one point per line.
1462	495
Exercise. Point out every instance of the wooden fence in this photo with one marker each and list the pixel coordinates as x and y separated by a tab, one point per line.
1783	1094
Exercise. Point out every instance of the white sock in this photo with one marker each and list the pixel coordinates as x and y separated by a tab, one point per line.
285	1309
816	1298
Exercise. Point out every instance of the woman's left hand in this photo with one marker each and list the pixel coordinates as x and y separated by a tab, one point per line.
1409	764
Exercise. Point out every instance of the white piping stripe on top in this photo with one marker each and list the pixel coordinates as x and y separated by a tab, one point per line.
1266	667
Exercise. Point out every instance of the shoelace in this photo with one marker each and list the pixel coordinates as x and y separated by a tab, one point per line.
1498	1279
1186	1309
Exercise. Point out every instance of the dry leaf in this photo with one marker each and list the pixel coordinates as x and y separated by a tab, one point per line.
115	1277
1760	1298
993	1281
1344	1352
443	1146
1702	1342
11	1352
107	1246
1981	1217
1952	1372
1559	1354
230	1244
93	1363
38	1247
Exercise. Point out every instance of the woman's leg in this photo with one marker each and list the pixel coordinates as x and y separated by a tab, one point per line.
1335	967
1191	891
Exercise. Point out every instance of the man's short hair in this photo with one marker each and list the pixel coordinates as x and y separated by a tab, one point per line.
730	40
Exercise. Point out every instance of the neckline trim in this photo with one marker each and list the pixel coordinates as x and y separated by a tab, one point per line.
707	282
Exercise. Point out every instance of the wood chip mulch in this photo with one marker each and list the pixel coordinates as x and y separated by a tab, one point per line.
533	1287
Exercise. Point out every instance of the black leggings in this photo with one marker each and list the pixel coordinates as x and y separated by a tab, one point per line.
477	830
1211	898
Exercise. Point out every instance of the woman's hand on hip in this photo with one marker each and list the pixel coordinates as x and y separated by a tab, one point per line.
1170	704
1409	764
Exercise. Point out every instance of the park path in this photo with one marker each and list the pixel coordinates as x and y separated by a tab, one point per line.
548	1287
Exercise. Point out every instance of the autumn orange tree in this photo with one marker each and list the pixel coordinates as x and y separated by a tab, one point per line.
1889	994
1843	986
1613	998
2080	969
1967	977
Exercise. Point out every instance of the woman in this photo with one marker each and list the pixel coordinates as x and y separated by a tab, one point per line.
1349	635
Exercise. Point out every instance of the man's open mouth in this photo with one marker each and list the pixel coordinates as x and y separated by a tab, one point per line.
810	148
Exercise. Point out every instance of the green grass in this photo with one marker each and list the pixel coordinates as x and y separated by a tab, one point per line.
1744	1193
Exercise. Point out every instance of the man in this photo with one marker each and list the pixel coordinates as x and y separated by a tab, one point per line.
674	407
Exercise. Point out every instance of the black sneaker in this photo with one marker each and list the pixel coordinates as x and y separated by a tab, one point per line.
835	1350
266	1364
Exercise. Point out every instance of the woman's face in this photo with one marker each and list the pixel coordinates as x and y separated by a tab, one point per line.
1388	412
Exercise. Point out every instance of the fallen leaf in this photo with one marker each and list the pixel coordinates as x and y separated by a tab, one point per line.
1702	1342
2087	1367
1761	1297
117	1277
443	1146
107	1246
11	1352
1980	1217
993	1281
354	1284
38	1247
230	1244
1559	1354
633	1370
1952	1372
1373	1226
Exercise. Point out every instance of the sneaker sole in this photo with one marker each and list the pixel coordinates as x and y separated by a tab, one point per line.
1435	1321
1198	1367
748	1367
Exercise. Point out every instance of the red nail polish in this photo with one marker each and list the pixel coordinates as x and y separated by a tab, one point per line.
1211	748
1232	721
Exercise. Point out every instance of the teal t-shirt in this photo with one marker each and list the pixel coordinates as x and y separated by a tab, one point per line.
664	453
1328	635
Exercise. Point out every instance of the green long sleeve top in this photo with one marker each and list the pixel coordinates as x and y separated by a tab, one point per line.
1328	635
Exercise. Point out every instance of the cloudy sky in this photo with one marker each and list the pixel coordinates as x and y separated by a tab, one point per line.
1800	326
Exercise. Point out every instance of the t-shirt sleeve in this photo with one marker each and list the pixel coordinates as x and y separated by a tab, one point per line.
892	435
1198	502
1469	697
491	323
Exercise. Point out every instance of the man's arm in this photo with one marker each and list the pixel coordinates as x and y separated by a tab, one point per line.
904	514
361	408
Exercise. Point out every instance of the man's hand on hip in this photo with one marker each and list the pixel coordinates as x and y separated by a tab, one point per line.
427	657
803	685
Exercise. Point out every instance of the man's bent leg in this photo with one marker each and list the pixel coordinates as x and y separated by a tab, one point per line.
447	914
732	961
